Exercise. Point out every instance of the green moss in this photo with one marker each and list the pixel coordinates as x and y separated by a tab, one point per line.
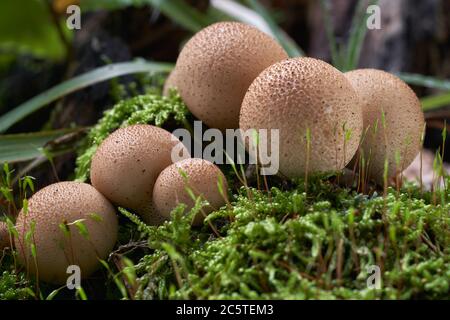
151	108
14	286
292	246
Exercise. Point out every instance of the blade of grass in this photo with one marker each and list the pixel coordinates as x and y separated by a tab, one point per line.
92	5
435	102
291	47
257	15
329	30
357	34
26	146
286	42
89	78
182	13
177	10
235	10
425	81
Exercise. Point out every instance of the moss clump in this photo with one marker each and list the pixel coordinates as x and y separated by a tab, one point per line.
14	286
151	108
289	245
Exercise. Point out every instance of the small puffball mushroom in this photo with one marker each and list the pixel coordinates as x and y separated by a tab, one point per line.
4	236
216	67
401	130
126	164
169	84
315	109
70	223
197	175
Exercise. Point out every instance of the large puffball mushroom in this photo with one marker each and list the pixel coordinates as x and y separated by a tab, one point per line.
315	109
69	223
396	136
126	164
184	179
216	67
4	236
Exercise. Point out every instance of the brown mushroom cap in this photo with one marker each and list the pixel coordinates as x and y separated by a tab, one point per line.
404	121
52	208
127	163
200	176
300	94
216	67
4	236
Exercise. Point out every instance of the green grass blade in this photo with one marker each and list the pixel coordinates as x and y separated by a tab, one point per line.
425	81
177	10
357	35
92	5
435	102
182	13
291	47
233	10
89	78
257	15
26	146
329	30
286	42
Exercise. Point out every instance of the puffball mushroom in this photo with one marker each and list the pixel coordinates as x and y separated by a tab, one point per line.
170	83
401	130
216	67
54	223
315	109
197	175
126	164
4	236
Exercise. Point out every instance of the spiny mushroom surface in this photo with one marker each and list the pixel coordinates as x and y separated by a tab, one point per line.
301	96
216	67
4	236
55	211
125	167
197	175
401	129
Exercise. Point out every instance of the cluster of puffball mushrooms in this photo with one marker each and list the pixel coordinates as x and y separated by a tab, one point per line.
230	75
